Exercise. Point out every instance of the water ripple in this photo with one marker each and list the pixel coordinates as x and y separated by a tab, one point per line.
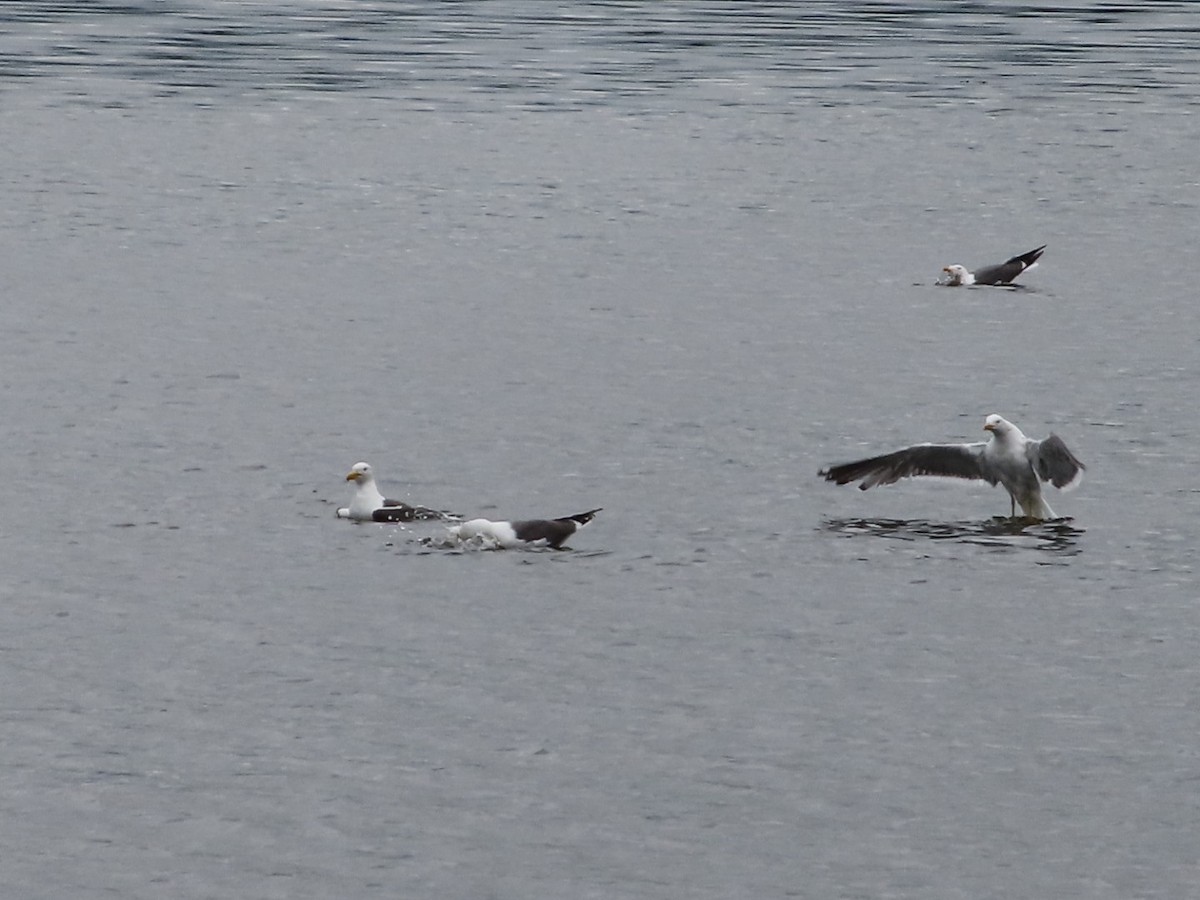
577	54
1057	536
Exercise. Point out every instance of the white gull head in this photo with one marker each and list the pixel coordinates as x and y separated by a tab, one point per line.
958	276
1001	427
366	498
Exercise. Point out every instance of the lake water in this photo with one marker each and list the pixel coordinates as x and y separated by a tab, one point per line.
532	258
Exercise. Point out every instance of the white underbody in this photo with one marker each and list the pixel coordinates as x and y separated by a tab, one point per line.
366	500
1007	452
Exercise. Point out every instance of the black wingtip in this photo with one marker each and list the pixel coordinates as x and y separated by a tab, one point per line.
1031	257
840	474
584	517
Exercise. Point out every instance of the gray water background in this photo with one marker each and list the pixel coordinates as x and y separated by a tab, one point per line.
530	258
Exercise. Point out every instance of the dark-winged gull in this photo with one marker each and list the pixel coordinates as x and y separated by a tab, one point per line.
530	532
369	505
1001	273
1008	458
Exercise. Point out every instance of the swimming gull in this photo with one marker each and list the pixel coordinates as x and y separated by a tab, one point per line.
369	505
530	532
1001	273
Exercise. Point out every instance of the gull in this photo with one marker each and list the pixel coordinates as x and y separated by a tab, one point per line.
1009	459
368	505
529	532
1000	273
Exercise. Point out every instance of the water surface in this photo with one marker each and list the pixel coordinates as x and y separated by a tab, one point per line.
529	259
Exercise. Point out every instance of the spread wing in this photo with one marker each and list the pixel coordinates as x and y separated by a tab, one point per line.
1054	463
946	460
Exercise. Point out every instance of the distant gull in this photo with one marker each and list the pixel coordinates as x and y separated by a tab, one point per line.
1001	273
1008	458
530	532
369	505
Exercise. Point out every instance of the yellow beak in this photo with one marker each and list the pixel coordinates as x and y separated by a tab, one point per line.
353	476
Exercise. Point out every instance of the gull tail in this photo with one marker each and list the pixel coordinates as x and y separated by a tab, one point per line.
1036	507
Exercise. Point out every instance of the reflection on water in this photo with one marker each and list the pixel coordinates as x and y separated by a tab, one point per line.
564	55
1056	536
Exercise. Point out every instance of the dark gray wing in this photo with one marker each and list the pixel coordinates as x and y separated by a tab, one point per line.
553	531
946	460
1005	272
395	511
1054	463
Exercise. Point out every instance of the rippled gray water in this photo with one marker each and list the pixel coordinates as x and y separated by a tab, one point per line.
532	258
